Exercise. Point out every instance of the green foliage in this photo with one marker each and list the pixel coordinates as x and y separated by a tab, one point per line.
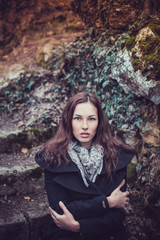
131	174
17	92
136	64
154	25
45	118
149	44
150	50
30	84
130	42
86	65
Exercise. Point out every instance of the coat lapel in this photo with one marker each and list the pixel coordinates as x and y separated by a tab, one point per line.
64	168
69	177
75	183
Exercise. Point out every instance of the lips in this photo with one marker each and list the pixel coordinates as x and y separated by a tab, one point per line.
84	135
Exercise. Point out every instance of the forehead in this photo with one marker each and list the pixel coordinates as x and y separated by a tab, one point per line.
86	108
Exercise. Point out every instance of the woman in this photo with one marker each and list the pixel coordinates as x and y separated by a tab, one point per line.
85	172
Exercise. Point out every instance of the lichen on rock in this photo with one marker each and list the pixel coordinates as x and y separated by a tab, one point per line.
145	49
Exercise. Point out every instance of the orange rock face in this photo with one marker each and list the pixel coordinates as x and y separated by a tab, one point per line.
117	14
121	16
17	17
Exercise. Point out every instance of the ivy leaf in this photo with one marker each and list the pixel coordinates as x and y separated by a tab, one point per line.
105	84
30	84
42	119
129	96
96	80
103	105
106	68
138	122
32	101
132	117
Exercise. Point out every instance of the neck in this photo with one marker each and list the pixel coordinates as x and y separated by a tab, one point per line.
86	145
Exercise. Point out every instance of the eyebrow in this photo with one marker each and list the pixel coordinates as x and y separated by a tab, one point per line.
93	115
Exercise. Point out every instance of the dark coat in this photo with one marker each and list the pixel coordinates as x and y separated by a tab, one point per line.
88	205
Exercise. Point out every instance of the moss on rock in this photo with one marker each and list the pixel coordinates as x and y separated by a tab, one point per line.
154	25
145	48
130	42
131	174
150	54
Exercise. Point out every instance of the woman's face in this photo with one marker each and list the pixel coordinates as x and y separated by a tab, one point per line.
85	123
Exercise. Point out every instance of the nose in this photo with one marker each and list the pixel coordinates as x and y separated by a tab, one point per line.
84	125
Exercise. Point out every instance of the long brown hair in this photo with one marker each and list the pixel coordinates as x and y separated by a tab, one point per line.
56	148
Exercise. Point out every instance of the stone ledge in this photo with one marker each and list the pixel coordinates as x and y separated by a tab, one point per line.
14	141
20	182
24	217
20	174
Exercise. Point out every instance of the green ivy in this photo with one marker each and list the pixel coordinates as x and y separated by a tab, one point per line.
86	65
18	92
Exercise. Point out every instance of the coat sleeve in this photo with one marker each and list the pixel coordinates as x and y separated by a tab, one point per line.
80	209
107	224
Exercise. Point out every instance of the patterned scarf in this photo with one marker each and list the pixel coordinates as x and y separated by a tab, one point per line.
89	161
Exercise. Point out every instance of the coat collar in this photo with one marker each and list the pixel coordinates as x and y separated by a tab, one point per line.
71	167
124	158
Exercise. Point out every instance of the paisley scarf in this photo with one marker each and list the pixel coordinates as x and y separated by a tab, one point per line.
89	161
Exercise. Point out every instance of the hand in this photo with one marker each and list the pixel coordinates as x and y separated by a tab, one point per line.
65	221
119	199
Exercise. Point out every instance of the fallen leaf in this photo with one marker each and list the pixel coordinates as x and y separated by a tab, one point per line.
49	33
27	198
20	124
24	150
112	38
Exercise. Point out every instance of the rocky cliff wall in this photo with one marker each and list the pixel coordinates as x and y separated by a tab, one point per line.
117	14
17	17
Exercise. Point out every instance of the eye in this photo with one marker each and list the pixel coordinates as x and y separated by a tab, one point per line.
92	119
77	118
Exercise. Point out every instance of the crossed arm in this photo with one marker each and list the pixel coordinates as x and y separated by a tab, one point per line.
66	221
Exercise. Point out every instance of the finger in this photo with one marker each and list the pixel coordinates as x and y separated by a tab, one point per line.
56	221
126	193
127	200
53	217
121	184
51	210
63	207
53	213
